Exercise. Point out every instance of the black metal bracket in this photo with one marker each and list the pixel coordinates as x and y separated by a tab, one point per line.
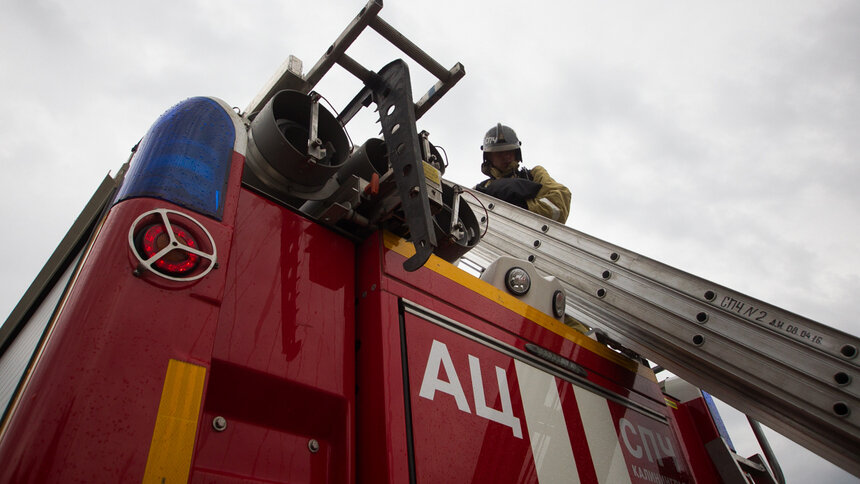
392	93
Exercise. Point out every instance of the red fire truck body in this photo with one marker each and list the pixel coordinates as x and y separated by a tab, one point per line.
227	313
302	355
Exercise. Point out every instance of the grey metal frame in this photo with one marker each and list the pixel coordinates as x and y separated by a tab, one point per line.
718	339
290	76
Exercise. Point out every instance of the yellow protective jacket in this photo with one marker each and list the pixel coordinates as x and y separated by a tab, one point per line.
551	191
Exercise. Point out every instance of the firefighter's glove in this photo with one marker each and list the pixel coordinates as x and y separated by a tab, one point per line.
512	190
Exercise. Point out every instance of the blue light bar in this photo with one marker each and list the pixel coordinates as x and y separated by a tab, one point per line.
718	419
185	158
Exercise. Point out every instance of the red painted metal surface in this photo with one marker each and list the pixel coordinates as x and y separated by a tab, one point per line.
494	329
90	404
695	428
381	438
283	356
273	326
454	444
651	450
458	296
449	444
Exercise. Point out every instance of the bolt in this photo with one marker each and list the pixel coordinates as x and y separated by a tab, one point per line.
219	424
313	446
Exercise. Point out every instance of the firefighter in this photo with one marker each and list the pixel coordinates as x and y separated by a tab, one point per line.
531	189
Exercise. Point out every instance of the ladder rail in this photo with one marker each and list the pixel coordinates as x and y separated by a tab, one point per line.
820	337
591	277
728	340
796	375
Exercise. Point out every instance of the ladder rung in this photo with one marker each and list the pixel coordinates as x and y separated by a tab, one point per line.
409	48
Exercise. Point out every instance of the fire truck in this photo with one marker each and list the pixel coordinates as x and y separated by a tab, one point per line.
252	298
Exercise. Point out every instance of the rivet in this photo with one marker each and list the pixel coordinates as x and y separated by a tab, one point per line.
219	424
313	446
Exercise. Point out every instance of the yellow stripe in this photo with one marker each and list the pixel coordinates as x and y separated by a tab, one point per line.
176	425
439	266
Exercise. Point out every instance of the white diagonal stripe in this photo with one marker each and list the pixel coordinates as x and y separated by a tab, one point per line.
602	438
547	430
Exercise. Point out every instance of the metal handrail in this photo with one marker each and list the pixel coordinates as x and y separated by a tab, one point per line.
776	470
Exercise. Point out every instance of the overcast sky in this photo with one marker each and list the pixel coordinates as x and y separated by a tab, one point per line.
718	137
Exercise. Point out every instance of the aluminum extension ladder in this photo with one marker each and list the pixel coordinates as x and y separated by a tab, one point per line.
795	375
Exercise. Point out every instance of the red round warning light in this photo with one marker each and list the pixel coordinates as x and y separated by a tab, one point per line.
177	261
179	251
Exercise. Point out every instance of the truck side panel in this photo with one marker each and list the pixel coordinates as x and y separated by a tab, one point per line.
243	373
283	356
477	407
92	400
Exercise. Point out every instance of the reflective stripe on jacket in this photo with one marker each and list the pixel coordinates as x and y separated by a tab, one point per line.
554	192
